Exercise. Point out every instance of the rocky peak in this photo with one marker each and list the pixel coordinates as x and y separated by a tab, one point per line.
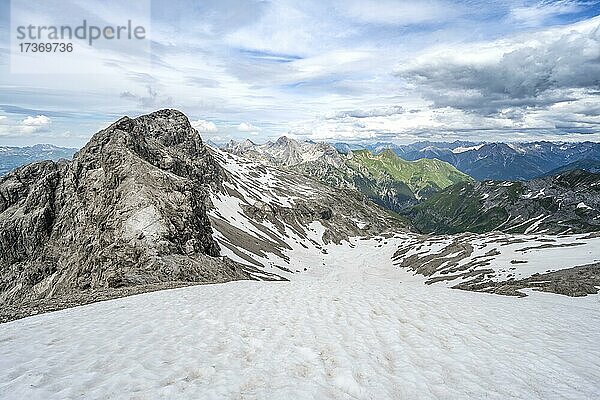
163	138
129	209
239	147
284	141
289	152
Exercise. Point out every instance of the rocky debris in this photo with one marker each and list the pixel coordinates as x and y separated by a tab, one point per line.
130	209
483	263
575	282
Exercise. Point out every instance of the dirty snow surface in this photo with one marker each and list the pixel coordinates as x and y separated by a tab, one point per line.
356	328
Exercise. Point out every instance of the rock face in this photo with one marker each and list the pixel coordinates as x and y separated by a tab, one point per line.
130	209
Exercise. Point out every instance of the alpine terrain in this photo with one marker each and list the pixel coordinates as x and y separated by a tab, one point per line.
498	161
297	285
565	203
385	178
145	205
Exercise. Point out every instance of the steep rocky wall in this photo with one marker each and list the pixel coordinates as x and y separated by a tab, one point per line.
130	209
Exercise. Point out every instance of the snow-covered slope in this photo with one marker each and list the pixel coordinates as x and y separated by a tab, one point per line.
265	217
365	313
281	223
506	264
357	328
356	324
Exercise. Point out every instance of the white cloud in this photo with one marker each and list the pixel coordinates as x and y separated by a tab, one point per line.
535	15
528	71
386	111
247	127
28	125
40	120
204	126
39	123
5	128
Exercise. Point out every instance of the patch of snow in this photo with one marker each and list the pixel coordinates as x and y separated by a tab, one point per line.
534	227
585	206
517	148
565	252
464	149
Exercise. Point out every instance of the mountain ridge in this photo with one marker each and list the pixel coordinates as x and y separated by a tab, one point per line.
585	165
12	157
391	182
559	204
498	160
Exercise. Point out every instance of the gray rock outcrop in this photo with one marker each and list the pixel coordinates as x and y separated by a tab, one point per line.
128	210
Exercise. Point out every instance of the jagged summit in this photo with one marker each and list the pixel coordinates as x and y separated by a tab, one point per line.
164	138
165	128
284	141
129	209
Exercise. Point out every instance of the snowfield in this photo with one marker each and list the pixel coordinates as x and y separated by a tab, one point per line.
356	328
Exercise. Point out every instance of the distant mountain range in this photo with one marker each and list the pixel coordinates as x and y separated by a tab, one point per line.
482	161
13	157
564	203
584	165
385	178
497	161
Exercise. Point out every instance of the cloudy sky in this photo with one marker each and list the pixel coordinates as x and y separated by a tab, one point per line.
347	70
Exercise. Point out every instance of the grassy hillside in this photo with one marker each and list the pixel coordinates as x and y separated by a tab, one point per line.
423	177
